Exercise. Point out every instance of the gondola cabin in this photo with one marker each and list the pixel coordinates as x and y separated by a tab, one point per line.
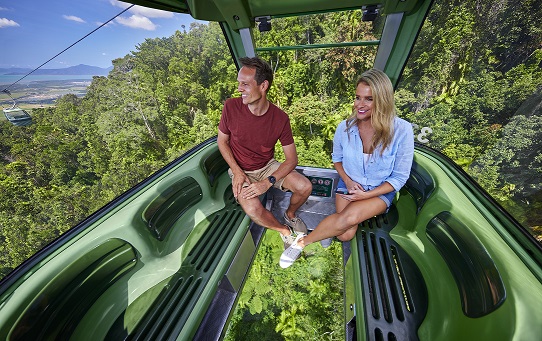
168	259
18	116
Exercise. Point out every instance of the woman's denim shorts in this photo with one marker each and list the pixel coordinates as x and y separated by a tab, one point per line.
388	197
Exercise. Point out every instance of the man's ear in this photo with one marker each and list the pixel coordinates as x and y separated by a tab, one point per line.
265	85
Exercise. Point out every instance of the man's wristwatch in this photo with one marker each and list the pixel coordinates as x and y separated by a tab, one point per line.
272	180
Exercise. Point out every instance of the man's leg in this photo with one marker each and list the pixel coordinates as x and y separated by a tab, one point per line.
257	212
261	216
301	188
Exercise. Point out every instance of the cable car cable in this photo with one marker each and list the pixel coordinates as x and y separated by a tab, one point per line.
58	54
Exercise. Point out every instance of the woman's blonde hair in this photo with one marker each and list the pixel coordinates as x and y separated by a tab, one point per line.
383	112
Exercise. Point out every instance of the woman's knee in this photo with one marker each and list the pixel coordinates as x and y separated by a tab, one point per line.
348	235
349	219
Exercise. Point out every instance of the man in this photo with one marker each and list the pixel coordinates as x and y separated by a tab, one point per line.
249	128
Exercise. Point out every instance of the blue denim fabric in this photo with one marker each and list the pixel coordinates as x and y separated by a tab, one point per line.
392	166
387	198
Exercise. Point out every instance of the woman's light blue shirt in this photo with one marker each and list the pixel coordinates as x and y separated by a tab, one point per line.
392	166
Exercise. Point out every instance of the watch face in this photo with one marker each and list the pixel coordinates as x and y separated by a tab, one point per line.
272	179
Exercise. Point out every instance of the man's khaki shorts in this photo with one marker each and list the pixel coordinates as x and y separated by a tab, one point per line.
263	173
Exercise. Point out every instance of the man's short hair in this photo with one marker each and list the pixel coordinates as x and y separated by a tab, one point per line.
263	69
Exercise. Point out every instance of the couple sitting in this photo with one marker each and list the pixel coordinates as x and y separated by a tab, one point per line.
372	152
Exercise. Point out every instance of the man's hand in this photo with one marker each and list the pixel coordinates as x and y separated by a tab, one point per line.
240	180
255	189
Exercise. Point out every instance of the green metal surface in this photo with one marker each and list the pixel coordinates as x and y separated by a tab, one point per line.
84	260
478	280
514	256
165	5
234	41
240	13
394	292
319	46
179	275
402	46
164	211
166	316
60	304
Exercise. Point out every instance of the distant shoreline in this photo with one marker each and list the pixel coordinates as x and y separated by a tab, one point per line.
6	80
43	91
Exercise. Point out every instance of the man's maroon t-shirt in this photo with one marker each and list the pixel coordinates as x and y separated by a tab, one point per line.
253	138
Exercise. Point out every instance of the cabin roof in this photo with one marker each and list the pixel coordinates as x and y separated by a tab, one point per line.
241	13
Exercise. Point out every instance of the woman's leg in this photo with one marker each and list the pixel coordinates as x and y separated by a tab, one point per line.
344	223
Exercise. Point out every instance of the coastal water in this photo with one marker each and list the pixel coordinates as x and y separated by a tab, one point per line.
10	79
37	91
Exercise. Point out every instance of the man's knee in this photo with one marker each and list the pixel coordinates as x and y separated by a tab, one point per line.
253	208
306	186
302	185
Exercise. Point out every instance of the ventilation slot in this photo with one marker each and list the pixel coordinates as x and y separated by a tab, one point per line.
381	278
378	335
370	277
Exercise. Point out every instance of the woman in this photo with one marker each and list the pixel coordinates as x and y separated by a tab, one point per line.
372	153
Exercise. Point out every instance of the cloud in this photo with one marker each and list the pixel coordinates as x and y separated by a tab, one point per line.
140	16
151	12
143	11
7	22
73	18
99	23
137	21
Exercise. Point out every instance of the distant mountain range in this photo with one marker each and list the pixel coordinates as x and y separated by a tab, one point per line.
80	69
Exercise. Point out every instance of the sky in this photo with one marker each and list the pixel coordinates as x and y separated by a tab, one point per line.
33	31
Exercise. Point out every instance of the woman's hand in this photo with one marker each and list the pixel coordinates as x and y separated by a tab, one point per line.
355	193
352	185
